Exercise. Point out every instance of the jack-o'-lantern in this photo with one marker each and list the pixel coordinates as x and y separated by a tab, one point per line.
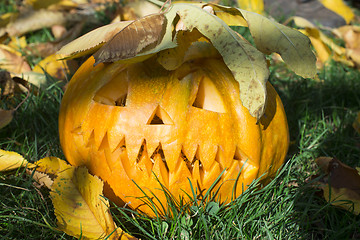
138	126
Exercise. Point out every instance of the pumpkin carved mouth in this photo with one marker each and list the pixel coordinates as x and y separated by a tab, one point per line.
150	157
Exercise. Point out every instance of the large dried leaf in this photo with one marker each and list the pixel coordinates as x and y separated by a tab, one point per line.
246	63
92	41
270	36
142	37
341	185
12	160
340	7
79	208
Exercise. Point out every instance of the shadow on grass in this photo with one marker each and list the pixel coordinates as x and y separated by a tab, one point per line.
320	115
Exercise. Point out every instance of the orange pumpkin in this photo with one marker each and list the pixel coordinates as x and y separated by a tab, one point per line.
141	123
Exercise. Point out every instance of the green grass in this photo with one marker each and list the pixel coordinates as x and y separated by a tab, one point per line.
320	114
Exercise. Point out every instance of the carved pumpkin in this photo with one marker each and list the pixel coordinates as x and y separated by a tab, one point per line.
141	123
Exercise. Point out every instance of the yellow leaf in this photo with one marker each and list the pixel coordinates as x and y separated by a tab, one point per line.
53	66
12	60
52	165
256	6
6	18
339	7
79	208
356	123
324	46
12	160
341	185
18	43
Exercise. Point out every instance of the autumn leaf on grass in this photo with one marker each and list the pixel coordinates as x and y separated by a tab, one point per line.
341	184
54	66
79	208
12	61
325	48
339	7
12	160
351	37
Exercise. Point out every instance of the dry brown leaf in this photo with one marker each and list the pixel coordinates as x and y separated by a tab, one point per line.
12	60
42	179
341	185
9	87
35	20
139	36
92	41
79	208
58	31
6	117
12	160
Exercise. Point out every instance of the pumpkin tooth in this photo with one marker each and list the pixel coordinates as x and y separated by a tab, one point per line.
190	150
172	153
113	138
198	173
207	155
211	175
144	161
161	170
177	176
151	146
133	145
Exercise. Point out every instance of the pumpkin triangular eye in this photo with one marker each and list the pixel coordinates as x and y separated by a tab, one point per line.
160	117
208	97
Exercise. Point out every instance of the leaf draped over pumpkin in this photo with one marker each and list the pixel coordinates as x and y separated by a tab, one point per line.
155	33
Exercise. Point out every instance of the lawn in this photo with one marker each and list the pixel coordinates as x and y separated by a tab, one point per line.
320	114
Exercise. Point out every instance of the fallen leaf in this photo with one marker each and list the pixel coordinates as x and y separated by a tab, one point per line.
35	20
8	87
12	61
6	117
42	179
37	79
356	123
79	208
53	66
12	160
339	7
325	48
256	6
341	185
52	166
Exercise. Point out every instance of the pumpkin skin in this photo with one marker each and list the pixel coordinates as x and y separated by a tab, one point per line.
170	127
